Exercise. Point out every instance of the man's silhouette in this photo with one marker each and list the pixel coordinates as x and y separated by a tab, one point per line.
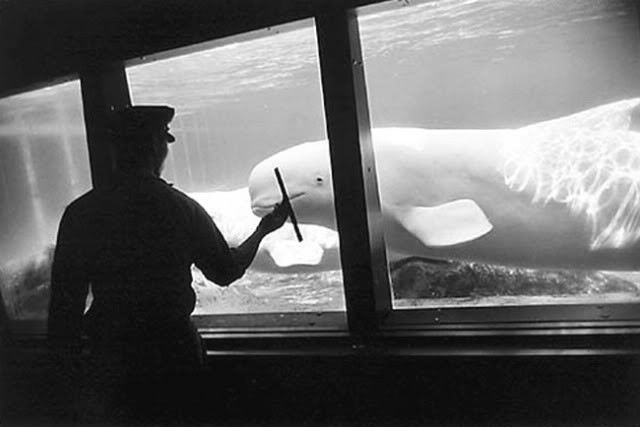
134	243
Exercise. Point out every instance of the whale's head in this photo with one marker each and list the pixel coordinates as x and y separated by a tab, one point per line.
306	172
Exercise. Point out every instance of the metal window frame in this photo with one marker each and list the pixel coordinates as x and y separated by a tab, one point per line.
104	89
357	205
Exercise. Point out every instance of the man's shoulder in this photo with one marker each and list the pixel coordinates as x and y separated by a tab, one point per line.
83	201
177	194
98	200
182	200
81	208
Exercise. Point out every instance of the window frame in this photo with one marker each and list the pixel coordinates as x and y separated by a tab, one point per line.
553	318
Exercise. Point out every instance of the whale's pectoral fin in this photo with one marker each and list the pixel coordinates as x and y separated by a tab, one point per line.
448	224
286	253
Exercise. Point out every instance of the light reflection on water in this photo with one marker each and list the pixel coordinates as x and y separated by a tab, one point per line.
593	168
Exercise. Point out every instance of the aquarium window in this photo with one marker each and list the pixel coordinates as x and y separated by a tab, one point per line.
507	152
237	103
44	165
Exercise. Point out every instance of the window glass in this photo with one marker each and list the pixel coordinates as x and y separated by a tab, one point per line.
44	165
507	152
237	104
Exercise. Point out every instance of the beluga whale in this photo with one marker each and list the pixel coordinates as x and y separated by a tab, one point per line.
563	193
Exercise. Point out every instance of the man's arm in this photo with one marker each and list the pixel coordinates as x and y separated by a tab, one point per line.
69	288
224	265
246	252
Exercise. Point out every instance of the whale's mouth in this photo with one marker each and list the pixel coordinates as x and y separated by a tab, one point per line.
262	208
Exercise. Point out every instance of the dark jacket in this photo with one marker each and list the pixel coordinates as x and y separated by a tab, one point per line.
134	243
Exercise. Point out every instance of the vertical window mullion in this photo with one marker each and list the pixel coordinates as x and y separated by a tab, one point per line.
104	89
357	205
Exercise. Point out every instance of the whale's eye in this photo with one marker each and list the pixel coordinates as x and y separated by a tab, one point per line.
319	179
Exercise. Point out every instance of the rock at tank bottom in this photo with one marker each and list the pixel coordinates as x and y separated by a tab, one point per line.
418	277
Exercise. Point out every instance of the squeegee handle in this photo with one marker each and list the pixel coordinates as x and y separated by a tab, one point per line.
285	199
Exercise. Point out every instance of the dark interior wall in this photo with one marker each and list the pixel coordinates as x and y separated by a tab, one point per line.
356	390
43	40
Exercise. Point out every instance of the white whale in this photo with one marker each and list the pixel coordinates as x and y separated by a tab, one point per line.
279	251
561	193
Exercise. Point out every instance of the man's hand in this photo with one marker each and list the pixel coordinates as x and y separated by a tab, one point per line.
246	252
275	219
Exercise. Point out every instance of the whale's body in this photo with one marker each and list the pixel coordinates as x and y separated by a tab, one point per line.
562	193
